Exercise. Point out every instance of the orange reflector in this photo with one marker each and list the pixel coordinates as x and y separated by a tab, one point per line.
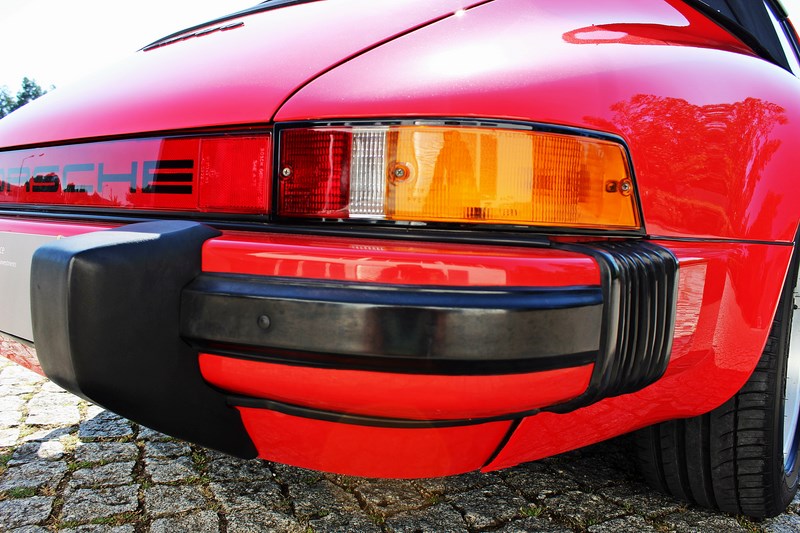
456	174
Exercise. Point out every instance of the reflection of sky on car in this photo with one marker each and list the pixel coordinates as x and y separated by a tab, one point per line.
91	33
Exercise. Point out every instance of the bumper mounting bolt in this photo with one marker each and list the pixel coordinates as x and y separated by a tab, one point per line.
264	322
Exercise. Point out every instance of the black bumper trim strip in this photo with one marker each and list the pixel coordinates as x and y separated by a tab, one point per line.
366	420
399	365
412	322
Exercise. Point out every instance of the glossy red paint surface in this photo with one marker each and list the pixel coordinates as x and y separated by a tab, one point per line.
384	261
713	132
725	309
409	396
227	78
365	451
39	227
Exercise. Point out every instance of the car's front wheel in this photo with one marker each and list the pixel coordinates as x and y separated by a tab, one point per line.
740	458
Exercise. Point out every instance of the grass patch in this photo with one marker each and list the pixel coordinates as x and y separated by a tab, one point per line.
531	511
79	465
21	492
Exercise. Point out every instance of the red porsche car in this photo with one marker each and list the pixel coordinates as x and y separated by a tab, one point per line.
420	238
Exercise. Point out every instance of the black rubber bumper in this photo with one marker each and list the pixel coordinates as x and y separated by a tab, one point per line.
106	311
120	316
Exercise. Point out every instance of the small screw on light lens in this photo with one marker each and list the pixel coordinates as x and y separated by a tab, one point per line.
399	172
286	172
626	187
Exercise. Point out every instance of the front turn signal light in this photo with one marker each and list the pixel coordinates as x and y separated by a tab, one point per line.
456	174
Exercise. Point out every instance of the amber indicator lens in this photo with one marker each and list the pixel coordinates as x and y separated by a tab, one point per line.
456	174
225	174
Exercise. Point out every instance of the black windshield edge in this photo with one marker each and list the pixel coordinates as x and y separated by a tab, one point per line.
263	6
737	31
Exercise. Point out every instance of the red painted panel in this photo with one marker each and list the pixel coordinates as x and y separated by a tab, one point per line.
725	310
713	131
385	261
39	227
371	451
232	77
410	396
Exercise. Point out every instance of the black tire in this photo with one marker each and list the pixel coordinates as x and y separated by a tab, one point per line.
732	459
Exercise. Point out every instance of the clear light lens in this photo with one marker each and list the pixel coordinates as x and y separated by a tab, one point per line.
456	174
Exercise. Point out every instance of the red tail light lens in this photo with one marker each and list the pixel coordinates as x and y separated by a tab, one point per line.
226	174
456	173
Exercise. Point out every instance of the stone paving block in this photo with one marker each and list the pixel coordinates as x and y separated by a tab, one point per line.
248	495
785	523
25	511
490	506
33	451
10	410
583	508
593	472
16	374
202	522
85	505
29	529
641	499
389	496
108	475
314	500
166	449
146	433
53	409
104	424
106	452
253	521
34	475
462	483
127	528
537	481
49	434
294	475
336	523
624	525
700	521
169	470
163	500
534	523
434	519
225	468
9	437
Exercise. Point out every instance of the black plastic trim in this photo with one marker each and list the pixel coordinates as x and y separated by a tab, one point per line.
640	284
366	420
398	365
105	321
422	323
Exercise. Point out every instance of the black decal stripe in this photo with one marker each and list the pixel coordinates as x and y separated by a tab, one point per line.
176	177
173	164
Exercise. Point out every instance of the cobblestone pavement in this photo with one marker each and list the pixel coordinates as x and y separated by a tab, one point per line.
68	465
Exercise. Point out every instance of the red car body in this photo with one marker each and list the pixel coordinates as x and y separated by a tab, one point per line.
712	131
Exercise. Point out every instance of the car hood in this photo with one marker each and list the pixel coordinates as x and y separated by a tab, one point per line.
238	71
